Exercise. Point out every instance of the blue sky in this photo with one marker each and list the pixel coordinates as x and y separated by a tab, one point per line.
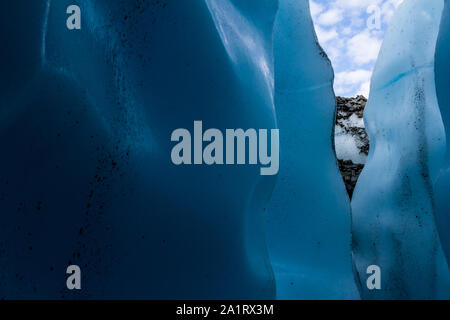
351	33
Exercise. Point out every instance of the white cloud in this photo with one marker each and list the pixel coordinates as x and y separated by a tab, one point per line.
316	8
330	17
334	53
347	31
353	77
326	35
351	82
342	30
363	48
364	89
357	23
355	4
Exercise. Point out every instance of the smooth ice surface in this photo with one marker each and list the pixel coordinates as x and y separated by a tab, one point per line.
393	210
442	66
86	175
309	212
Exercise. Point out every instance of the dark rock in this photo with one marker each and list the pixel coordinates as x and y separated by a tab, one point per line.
346	107
350	173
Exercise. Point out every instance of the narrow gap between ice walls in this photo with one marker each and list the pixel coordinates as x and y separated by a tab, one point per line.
350	34
396	200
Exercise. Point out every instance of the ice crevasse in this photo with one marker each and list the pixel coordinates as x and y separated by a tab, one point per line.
393	208
86	177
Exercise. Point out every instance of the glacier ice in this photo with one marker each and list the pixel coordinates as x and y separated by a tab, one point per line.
393	211
46	123
90	180
309	212
442	66
86	175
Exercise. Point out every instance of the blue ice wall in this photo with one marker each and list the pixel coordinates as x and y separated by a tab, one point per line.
442	67
393	205
20	59
309	213
48	159
87	177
